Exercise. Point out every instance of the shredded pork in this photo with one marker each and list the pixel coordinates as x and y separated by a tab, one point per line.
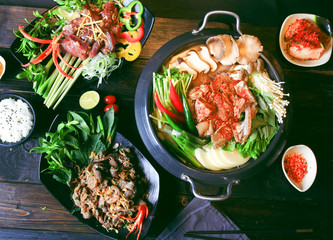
111	190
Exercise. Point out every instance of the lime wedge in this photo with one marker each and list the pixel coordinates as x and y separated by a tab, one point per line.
89	100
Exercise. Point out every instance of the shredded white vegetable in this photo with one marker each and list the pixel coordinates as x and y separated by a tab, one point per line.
266	85
100	66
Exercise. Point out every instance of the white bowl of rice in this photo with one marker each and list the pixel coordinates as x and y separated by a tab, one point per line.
17	119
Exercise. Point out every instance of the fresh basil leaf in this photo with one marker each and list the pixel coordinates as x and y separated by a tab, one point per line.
81	117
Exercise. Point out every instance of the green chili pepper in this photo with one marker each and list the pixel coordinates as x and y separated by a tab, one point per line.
127	11
172	123
191	124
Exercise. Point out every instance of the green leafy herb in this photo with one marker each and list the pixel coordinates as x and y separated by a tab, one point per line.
72	5
74	144
75	209
76	5
41	28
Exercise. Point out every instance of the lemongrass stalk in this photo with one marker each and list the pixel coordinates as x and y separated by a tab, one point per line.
54	87
54	75
56	78
76	75
49	83
62	86
41	87
48	66
59	76
56	84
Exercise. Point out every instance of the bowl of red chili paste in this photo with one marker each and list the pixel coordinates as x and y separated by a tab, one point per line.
300	167
303	43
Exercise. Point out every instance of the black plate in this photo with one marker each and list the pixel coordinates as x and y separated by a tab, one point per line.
148	26
63	194
143	106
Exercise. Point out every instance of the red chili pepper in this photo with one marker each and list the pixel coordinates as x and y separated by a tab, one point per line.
66	63
46	52
174	116
55	60
53	47
41	57
175	98
139	34
56	40
38	40
140	216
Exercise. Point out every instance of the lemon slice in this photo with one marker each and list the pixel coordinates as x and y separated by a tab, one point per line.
89	100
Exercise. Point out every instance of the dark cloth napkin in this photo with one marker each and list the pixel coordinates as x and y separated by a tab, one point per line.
200	215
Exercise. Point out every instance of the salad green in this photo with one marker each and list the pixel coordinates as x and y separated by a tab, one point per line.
76	142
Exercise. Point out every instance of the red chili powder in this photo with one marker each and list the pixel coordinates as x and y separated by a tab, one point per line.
308	34
296	166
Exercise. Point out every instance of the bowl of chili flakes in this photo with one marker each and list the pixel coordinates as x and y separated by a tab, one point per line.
299	165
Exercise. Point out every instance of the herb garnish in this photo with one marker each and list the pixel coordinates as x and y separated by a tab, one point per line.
76	141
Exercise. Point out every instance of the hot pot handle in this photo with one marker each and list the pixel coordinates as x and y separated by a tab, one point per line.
204	22
221	197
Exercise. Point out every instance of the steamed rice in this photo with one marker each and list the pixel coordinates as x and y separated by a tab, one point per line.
16	120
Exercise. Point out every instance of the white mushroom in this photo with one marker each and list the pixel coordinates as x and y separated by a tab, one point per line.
205	56
249	49
231	50
194	61
216	47
223	48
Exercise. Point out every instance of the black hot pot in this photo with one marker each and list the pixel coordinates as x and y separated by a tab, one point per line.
224	179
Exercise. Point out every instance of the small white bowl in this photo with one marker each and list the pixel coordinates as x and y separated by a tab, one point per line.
283	45
309	178
3	62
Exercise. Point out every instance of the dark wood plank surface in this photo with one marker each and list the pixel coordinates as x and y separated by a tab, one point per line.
266	201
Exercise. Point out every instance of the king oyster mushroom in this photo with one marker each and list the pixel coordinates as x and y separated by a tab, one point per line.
223	48
249	49
194	61
205	56
183	67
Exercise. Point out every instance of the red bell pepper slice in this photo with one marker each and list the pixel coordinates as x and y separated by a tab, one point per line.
55	60
41	57
175	98
129	14
66	63
38	40
56	40
46	52
174	116
140	33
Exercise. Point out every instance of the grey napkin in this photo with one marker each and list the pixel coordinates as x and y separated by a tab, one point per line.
200	215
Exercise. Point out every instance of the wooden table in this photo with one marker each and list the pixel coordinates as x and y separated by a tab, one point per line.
266	201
